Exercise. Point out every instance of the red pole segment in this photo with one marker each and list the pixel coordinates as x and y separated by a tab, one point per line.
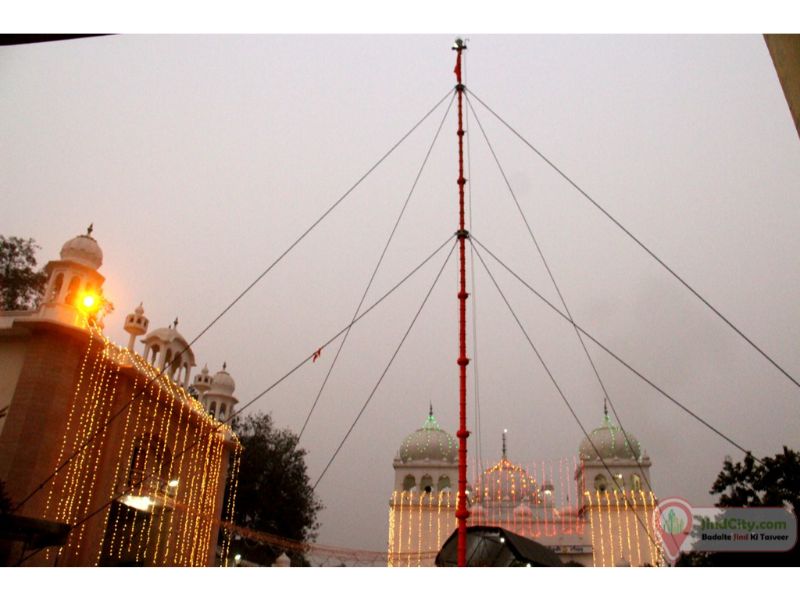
462	513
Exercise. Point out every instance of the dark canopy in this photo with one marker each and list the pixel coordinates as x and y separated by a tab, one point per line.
497	547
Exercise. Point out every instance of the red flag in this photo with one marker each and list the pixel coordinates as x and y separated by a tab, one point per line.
316	355
457	70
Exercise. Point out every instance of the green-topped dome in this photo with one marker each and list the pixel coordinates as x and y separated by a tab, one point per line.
608	442
430	443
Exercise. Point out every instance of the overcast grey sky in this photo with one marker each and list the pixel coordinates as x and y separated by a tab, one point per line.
200	159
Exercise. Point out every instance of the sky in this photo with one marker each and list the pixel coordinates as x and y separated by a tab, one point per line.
200	159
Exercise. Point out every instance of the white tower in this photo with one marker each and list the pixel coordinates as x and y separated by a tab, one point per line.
136	324
71	278
427	460
623	454
201	384
219	399
615	497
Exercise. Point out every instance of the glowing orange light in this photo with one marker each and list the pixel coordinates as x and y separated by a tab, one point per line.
90	302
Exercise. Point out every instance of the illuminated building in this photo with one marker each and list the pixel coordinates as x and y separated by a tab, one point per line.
104	439
571	506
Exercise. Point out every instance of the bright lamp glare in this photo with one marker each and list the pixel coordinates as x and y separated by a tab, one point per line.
89	302
142	503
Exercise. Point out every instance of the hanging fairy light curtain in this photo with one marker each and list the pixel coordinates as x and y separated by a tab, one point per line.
157	473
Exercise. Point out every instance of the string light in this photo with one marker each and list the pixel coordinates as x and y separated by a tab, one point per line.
390	549
165	419
610	526
591	528
636	529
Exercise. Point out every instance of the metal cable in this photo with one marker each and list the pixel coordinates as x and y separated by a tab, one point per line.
606	395
375	270
113	417
564	398
610	352
639	243
386	370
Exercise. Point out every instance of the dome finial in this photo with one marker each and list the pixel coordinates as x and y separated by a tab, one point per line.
605	406
225	365
505	431
430	409
90	229
175	323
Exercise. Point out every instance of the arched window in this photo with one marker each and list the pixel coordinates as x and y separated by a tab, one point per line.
409	483
620	482
600	483
221	411
155	349
59	281
426	484
213	409
636	483
72	290
168	360
444	483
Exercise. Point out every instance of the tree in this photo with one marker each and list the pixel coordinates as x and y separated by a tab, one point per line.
21	285
775	481
274	495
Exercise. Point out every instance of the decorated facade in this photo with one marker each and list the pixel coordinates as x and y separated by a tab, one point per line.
571	505
111	442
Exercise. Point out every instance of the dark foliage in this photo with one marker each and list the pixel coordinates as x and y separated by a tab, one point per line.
773	482
274	494
21	286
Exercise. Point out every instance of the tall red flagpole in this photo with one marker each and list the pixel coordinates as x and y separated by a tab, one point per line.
462	513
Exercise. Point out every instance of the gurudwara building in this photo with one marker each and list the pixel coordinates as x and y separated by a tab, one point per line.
571	506
113	446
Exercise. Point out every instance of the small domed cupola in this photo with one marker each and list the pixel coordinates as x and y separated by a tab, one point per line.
202	381
165	347
136	324
223	383
219	400
74	285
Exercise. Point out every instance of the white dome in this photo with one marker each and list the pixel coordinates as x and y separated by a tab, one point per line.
83	250
430	442
166	335
223	383
608	442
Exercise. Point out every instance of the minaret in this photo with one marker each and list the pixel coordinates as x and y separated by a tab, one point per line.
136	324
202	383
72	278
219	399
